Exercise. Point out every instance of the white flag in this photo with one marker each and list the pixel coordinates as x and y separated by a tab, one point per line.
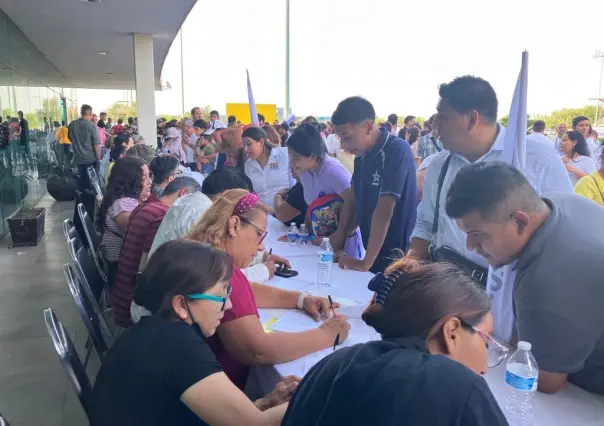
250	97
500	285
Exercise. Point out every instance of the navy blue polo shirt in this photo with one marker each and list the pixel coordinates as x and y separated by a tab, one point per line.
388	170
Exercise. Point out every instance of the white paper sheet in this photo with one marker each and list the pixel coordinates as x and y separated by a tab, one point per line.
295	321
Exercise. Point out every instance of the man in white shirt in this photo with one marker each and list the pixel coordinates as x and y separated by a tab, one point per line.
561	129
188	132
581	124
538	133
468	128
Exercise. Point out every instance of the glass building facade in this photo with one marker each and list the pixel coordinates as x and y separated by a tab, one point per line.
31	84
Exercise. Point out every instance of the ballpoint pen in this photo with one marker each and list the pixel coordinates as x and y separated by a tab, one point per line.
333	311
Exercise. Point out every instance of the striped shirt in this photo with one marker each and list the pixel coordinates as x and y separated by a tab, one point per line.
114	234
142	227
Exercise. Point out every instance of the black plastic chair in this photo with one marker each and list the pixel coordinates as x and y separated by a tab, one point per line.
69	358
95	180
86	271
77	222
70	231
93	239
99	332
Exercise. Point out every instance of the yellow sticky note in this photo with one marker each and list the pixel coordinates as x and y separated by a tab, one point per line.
267	325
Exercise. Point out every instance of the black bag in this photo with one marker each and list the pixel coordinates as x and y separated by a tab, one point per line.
446	253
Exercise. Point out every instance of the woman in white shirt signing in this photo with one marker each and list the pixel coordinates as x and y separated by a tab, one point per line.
576	156
267	166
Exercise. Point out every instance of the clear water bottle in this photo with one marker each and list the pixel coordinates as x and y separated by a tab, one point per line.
521	378
325	264
303	235
292	233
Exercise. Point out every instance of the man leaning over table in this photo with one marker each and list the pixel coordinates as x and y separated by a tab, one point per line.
466	122
559	260
383	186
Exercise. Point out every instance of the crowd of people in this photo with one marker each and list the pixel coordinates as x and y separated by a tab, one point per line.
428	209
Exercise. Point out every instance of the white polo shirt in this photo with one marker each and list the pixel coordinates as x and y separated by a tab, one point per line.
275	176
333	144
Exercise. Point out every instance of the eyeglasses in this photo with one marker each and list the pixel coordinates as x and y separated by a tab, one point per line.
212	298
496	352
262	233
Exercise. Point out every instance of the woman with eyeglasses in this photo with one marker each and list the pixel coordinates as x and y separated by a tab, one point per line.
266	165
162	372
236	223
435	324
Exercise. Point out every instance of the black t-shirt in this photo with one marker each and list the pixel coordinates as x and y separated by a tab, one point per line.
295	198
24	131
392	383
146	372
388	170
101	124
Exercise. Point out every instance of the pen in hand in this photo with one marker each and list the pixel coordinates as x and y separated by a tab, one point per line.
333	311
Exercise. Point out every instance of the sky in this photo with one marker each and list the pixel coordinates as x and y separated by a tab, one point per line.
393	53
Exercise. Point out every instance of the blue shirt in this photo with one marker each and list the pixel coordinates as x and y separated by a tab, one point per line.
388	170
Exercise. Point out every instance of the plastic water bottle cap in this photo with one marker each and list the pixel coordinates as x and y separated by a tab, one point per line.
525	346
325	239
292	224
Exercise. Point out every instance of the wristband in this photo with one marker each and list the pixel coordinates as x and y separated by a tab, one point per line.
301	300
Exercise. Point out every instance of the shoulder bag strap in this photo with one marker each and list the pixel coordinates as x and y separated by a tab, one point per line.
433	140
598	186
441	179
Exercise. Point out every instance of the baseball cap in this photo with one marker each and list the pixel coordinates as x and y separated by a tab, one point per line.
216	125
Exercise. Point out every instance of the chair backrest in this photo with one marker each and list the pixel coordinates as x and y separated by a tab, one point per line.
94	240
85	268
77	222
90	312
69	358
70	231
95	181
3	421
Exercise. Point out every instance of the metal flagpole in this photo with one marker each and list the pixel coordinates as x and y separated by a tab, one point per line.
287	93
182	74
599	55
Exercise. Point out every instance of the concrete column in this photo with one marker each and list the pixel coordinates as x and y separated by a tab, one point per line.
145	86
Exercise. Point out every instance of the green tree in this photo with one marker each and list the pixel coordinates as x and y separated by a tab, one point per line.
50	109
122	110
33	120
566	116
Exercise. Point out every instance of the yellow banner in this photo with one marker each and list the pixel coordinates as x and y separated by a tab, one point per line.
242	112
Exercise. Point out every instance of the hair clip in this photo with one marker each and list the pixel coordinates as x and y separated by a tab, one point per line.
246	203
376	282
386	284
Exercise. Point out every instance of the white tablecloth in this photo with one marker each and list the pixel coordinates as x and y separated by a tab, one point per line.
570	407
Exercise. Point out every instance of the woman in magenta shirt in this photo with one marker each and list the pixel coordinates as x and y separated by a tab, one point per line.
321	175
236	223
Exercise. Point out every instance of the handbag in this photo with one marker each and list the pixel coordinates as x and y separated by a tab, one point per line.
448	254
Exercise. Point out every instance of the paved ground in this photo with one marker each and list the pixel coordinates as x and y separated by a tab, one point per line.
33	386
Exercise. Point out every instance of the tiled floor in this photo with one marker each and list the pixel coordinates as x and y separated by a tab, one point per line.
33	386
